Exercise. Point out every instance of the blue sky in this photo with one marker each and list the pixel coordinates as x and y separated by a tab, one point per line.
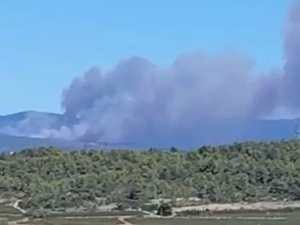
45	44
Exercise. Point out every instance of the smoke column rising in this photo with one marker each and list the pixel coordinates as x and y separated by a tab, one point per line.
291	78
139	100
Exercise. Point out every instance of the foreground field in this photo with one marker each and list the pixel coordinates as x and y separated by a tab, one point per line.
245	221
279	219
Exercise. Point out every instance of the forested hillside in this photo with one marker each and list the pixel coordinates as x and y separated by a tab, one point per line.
51	178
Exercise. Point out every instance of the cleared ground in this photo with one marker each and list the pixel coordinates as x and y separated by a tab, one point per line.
289	221
9	215
253	220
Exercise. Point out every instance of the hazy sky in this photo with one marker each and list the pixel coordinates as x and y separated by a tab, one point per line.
44	44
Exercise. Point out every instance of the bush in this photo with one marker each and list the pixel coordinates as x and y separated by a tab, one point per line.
121	207
164	209
37	214
150	207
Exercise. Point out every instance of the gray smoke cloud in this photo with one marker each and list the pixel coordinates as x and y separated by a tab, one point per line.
291	78
140	101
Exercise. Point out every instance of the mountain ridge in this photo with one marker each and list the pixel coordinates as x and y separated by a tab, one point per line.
20	130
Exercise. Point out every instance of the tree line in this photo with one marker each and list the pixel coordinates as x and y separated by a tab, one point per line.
251	171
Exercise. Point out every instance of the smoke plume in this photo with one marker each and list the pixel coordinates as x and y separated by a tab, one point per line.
140	101
291	78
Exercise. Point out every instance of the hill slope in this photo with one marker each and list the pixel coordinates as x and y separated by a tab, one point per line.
34	129
241	172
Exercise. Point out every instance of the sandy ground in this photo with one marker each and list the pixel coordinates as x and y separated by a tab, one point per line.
122	220
17	207
21	221
260	206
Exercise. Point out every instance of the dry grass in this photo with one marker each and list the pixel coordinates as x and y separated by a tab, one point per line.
7	209
289	220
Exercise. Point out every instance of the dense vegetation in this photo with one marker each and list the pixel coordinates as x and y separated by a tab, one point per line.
50	178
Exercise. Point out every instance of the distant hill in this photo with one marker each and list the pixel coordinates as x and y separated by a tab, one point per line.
25	129
17	117
22	130
34	119
11	143
226	131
